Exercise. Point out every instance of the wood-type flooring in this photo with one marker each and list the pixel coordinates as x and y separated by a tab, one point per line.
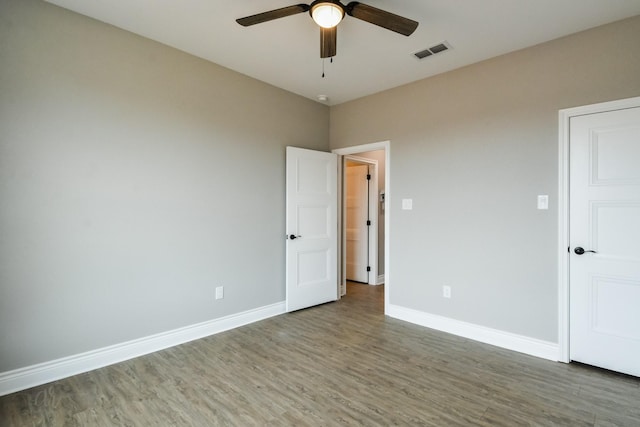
337	364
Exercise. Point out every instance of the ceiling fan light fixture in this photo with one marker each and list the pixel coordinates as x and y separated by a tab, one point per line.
327	14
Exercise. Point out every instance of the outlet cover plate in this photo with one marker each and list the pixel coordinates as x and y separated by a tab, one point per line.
446	291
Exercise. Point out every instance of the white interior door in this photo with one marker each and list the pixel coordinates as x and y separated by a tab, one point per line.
312	228
357	215
605	218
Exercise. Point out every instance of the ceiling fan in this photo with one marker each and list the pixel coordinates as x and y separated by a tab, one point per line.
328	14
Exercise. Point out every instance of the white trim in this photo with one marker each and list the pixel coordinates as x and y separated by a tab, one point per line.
563	237
380	280
342	260
42	373
386	146
507	340
361	159
564	117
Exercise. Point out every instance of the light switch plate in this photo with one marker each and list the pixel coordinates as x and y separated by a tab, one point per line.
407	204
543	202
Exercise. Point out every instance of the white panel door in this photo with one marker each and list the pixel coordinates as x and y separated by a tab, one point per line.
605	219
357	207
312	228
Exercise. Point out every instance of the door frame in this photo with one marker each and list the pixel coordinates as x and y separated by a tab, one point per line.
564	116
341	152
372	249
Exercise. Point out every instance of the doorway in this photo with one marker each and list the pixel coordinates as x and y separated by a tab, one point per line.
360	214
380	152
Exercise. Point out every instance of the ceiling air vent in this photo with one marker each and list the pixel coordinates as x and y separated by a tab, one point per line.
440	47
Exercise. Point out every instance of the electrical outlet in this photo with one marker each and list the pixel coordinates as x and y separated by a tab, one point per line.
220	292
446	291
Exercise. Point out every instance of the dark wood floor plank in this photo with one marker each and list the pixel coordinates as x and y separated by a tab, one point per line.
343	363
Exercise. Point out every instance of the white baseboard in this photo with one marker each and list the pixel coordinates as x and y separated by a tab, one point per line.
42	373
380	280
510	341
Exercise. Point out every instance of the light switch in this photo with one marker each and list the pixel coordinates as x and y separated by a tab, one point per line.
543	202
407	204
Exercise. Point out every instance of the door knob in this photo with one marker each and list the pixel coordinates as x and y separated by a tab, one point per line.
293	236
580	251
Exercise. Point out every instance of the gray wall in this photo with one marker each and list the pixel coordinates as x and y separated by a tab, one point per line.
473	148
134	179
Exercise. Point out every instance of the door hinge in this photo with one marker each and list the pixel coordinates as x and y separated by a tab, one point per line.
368	268
368	177
368	223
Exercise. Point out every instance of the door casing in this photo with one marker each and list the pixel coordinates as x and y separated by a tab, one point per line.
565	116
386	146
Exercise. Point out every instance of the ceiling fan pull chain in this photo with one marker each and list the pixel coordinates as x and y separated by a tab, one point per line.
323	61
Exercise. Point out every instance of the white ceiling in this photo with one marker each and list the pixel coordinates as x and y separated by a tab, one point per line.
286	52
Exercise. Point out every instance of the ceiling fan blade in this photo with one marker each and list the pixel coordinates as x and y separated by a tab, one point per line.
384	19
328	42
272	14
